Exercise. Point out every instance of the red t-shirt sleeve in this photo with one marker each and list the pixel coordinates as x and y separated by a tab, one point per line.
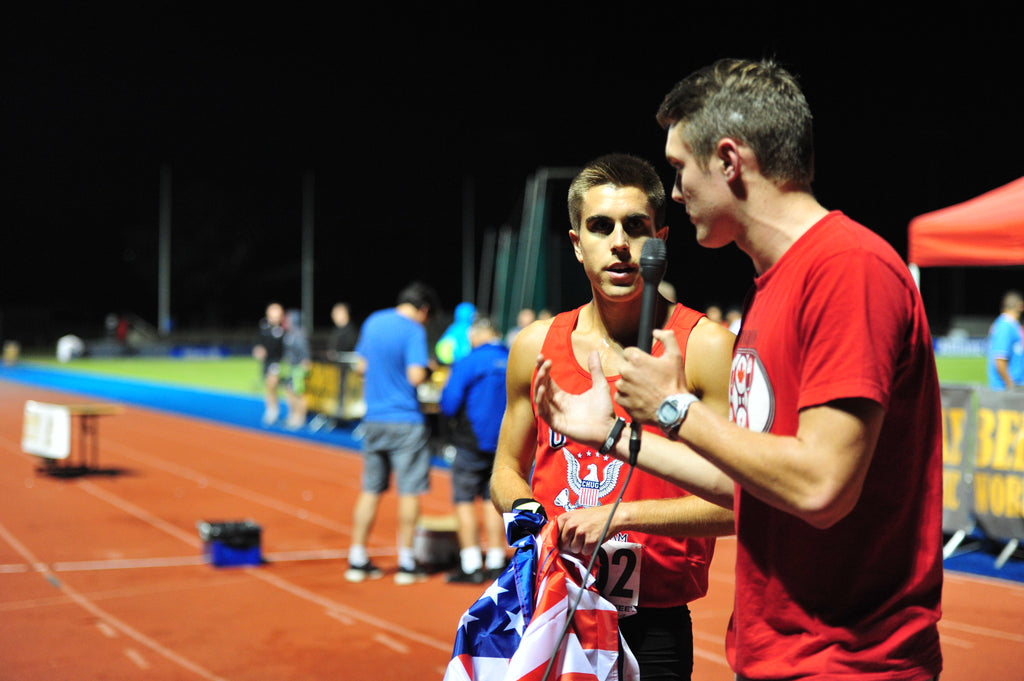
852	329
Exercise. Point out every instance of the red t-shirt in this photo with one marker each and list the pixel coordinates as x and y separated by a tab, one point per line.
839	316
673	571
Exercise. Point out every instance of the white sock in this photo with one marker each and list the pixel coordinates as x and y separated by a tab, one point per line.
472	559
495	558
357	555
406	558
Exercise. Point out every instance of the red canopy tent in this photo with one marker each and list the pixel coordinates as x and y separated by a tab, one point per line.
985	230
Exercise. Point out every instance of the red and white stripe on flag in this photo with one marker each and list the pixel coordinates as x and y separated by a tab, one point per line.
590	648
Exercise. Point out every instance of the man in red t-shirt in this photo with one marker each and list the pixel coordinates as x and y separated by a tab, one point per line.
834	435
661	539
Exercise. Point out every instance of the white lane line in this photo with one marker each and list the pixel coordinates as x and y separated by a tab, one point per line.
982	631
341	617
136	657
105	616
958	642
106	629
126	563
342	609
192	539
229	488
709	656
389	642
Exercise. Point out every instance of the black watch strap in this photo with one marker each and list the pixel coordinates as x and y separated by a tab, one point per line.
613	436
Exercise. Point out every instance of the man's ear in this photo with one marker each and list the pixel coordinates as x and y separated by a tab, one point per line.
662	233
727	152
574	237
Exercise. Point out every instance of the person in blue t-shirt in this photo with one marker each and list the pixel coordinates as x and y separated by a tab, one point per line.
393	360
474	399
1006	345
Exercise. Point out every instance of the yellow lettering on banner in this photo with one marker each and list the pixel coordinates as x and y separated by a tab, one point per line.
986	431
953	435
950	482
981	493
1007	439
999	495
1014	496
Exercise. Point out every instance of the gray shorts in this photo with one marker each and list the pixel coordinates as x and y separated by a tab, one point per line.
398	447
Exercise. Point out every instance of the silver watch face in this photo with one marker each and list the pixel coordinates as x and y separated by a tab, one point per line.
668	412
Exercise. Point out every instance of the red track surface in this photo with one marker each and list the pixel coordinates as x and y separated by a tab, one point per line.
101	576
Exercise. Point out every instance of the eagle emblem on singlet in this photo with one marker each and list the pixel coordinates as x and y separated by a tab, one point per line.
590	488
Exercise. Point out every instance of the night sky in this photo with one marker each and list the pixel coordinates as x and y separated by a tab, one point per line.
396	111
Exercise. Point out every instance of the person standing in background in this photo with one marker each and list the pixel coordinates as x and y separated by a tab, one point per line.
344	335
1006	345
269	350
524	318
394	361
454	342
474	401
297	360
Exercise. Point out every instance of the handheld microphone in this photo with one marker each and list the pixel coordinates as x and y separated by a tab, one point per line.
653	259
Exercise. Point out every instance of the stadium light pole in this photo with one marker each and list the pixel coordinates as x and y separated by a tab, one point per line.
307	252
164	254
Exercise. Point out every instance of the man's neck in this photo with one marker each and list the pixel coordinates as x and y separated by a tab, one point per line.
773	221
408	310
617	322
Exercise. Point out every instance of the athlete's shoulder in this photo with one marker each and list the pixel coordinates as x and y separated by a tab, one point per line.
530	340
710	338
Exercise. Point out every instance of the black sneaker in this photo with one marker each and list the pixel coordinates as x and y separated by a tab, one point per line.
358	573
406	576
461	577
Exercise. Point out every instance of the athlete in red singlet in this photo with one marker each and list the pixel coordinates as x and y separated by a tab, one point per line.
615	204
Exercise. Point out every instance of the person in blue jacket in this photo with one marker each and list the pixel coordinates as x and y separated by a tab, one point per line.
474	400
1006	345
454	343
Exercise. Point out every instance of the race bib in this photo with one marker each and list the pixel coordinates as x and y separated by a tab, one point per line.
618	576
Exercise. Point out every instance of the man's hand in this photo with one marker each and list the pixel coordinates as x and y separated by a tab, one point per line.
647	380
585	418
579	530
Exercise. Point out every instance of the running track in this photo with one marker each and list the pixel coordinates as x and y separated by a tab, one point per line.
102	577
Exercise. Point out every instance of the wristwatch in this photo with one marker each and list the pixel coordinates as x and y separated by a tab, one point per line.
673	410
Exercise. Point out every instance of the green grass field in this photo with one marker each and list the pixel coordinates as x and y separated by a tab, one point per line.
242	374
229	374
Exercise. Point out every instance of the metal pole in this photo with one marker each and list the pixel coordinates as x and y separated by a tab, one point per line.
164	254
468	239
307	252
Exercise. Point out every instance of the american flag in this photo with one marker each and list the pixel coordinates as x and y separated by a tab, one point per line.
499	640
491	629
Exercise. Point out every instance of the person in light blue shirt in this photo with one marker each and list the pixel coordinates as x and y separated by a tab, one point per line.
393	360
1006	345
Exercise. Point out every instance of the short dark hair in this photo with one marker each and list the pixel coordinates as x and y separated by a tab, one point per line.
619	170
419	295
756	102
